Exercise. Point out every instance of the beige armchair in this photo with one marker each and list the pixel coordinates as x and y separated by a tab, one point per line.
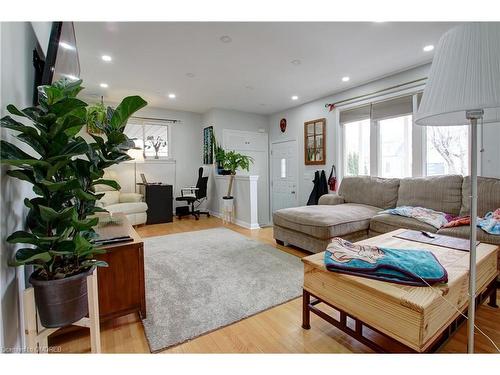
130	204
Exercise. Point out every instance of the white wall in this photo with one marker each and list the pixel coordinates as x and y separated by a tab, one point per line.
185	149
316	109
222	119
17	43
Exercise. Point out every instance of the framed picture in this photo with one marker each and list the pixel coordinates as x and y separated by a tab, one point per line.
314	142
208	146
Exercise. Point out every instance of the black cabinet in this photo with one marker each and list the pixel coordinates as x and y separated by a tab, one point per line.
159	199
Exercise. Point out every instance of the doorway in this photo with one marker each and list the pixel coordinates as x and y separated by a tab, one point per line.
284	175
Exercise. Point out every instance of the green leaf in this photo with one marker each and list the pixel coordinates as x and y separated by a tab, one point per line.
48	214
84	196
66	106
93	262
125	109
112	183
24	175
13	110
10	152
21	236
29	255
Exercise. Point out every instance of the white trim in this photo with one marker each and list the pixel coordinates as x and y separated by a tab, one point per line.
238	222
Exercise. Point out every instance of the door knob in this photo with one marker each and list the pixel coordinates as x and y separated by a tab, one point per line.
293	192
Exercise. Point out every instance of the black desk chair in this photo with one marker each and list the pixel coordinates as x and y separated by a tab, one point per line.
195	195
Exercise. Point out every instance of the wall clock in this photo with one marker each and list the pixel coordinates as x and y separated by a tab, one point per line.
283	125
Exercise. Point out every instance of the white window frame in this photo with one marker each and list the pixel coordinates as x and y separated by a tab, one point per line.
418	134
142	122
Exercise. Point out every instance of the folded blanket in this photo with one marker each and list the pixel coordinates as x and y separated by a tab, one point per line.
426	215
490	223
409	267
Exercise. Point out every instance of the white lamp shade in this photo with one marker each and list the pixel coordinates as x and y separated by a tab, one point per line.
136	154
465	75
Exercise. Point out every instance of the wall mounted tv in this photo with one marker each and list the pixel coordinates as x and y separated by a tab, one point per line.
62	57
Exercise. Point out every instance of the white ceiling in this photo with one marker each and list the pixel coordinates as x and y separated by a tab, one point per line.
252	73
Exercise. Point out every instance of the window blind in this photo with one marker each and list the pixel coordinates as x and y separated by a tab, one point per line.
355	114
392	108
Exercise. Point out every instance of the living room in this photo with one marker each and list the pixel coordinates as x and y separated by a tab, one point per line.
250	187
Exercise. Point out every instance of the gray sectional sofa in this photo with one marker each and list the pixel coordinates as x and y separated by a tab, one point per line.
353	213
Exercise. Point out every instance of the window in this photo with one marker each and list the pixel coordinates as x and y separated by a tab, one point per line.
380	139
395	147
283	168
151	136
357	148
447	150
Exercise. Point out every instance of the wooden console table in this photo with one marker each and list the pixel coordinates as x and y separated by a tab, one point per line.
415	319
121	284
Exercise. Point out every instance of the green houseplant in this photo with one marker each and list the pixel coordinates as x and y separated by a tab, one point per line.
63	169
232	162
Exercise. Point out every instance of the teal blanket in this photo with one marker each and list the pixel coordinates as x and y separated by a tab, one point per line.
409	267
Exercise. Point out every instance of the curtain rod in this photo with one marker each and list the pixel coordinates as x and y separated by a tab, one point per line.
333	105
155	119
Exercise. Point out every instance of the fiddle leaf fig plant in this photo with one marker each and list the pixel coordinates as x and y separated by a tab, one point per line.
63	169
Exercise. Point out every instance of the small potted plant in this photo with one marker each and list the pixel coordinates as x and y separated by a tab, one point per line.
232	162
219	156
63	170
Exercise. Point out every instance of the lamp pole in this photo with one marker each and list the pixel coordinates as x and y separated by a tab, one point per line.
472	116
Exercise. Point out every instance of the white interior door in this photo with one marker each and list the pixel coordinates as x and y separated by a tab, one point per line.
284	175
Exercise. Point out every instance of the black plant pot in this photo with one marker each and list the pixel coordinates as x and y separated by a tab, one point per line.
61	302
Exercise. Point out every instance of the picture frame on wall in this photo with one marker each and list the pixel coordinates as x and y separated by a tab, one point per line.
314	142
208	146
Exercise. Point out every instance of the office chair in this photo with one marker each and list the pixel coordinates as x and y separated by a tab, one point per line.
195	195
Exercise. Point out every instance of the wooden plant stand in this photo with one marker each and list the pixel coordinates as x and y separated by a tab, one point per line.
37	335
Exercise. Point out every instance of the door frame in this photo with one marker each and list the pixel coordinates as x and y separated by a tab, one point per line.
271	171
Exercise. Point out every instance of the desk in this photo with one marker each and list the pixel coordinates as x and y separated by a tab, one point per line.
159	199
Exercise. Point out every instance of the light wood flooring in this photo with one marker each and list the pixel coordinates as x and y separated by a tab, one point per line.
277	330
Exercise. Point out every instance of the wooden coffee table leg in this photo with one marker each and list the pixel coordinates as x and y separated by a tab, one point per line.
306	314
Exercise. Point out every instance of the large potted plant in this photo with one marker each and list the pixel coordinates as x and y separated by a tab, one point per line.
63	169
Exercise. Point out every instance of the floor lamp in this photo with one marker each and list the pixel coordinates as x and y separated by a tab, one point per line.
463	88
138	157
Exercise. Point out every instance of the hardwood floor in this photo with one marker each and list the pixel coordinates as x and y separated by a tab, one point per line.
277	330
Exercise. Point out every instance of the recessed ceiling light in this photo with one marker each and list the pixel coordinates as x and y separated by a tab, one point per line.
66	45
296	62
345	79
190	75
225	39
295	97
171	96
104	85
428	48
106	58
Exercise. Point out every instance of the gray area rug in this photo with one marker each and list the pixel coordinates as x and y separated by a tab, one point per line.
199	281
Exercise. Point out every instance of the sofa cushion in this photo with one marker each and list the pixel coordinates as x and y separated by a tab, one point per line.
130	197
463	232
440	193
331	199
383	223
324	221
373	191
128	208
110	197
488	195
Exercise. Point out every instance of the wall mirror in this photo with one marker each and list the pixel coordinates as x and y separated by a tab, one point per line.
314	142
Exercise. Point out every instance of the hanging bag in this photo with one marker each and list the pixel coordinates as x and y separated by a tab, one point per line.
332	180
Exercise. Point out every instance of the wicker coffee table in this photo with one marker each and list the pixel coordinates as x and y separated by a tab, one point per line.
415	319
